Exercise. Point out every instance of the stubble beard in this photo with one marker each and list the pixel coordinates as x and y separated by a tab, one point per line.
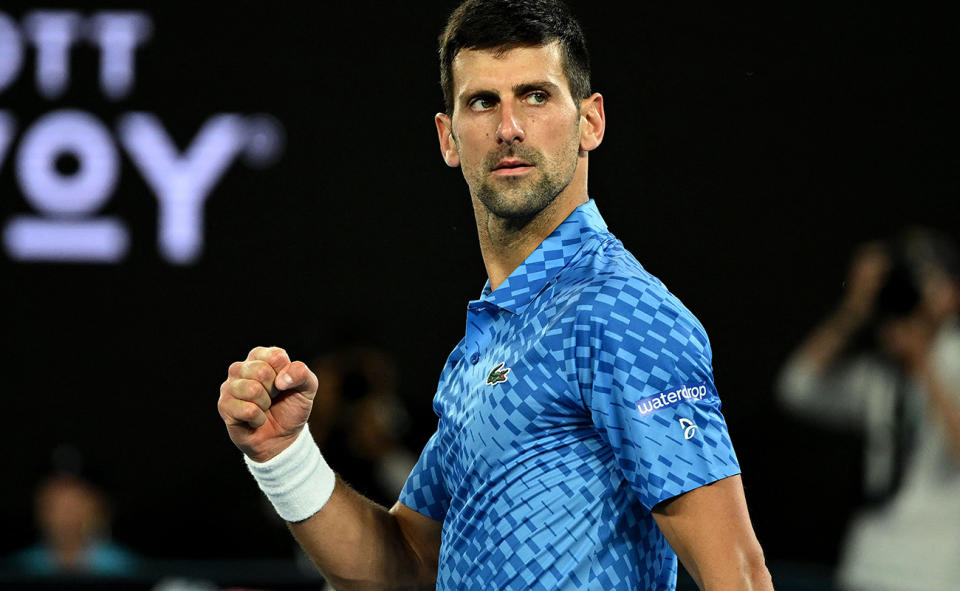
516	201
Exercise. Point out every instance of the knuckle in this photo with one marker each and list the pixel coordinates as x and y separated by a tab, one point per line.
226	390
248	368
252	412
251	389
247	412
273	355
227	407
238	388
264	373
277	356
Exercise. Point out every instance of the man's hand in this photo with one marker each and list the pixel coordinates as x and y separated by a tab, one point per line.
265	401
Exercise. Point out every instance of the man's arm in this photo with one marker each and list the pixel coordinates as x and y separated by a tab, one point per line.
357	544
709	529
814	382
867	274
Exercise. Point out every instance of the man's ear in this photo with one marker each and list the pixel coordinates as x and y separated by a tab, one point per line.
592	122
448	146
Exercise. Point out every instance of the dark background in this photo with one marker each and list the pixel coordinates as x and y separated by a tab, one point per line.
748	151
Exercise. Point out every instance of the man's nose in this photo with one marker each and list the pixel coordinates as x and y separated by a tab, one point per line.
509	130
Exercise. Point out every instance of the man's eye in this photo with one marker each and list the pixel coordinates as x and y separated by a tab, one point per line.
481	104
537	98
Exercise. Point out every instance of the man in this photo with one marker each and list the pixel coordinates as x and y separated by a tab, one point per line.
580	444
72	510
902	301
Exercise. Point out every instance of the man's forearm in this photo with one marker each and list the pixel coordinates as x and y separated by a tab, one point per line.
756	576
746	571
831	338
358	544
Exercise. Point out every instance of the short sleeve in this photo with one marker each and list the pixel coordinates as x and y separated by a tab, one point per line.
425	491
649	388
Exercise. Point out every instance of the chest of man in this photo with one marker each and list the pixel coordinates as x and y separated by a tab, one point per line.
509	403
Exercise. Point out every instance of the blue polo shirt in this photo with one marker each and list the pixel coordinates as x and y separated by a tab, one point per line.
581	396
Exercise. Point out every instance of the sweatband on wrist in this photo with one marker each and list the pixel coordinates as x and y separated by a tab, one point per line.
297	481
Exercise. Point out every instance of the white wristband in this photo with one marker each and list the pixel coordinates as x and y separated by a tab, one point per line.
297	481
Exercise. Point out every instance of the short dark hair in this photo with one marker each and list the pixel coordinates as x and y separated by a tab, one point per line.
486	24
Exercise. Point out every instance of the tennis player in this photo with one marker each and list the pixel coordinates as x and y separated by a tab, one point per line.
580	443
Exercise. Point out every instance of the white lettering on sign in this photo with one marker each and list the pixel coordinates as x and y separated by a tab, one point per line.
28	238
80	135
53	33
118	34
68	196
182	181
11	51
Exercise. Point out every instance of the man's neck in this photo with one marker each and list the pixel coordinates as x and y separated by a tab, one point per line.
504	247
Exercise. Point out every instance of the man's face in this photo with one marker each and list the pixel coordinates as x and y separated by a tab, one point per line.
515	128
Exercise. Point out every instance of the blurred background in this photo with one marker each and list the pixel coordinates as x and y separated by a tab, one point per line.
181	183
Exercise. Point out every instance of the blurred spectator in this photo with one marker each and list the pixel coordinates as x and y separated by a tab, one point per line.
73	517
359	420
887	361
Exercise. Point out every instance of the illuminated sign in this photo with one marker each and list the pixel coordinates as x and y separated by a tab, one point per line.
66	226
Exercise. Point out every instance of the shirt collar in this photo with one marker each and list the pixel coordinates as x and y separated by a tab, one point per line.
543	264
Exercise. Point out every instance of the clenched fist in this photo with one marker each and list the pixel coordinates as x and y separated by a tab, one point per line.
265	401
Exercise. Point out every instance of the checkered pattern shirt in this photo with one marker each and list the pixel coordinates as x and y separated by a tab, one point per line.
581	396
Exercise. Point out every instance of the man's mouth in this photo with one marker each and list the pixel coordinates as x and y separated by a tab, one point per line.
512	166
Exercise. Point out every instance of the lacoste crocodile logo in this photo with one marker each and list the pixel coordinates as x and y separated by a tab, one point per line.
498	375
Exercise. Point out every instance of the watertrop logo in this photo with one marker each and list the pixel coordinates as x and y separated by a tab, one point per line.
664	399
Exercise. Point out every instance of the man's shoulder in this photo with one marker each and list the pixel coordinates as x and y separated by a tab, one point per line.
608	295
609	278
